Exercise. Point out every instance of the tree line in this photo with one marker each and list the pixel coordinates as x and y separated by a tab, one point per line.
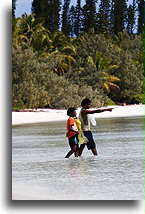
111	16
55	69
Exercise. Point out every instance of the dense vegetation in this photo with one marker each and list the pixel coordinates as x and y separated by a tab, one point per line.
57	68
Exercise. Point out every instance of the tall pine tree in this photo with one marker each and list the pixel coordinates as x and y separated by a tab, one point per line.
103	16
49	11
56	14
13	7
140	15
65	18
36	8
40	8
131	10
77	18
71	18
89	15
118	16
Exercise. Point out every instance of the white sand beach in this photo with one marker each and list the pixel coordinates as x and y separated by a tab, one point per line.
50	115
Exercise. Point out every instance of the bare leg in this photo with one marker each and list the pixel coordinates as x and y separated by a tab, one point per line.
94	151
69	154
73	149
81	149
77	153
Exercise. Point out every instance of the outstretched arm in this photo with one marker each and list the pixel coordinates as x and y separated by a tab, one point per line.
87	111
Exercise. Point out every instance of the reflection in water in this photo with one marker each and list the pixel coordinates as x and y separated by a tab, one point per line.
38	161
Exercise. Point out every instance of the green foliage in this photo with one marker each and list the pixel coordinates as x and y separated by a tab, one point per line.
77	18
15	108
141	15
139	98
131	17
50	69
89	15
109	102
48	11
119	16
36	85
103	17
26	79
65	18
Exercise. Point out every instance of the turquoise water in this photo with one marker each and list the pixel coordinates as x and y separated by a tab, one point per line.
38	161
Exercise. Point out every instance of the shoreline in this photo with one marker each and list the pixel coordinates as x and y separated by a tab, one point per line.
53	115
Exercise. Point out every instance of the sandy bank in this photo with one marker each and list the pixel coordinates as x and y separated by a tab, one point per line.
50	115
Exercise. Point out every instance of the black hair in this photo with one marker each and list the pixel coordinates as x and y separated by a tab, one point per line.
70	111
85	102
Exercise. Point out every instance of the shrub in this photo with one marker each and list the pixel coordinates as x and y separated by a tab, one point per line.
136	99
109	102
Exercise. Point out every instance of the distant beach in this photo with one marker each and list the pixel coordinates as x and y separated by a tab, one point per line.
51	115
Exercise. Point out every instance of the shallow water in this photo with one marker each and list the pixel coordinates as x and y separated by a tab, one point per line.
38	162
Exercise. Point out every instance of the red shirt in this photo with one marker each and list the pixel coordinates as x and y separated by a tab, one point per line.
71	122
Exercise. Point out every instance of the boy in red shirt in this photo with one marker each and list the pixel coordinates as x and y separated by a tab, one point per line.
72	133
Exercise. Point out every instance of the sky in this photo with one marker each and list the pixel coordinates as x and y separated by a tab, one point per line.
23	6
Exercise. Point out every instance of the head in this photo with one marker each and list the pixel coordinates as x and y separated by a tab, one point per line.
71	112
86	103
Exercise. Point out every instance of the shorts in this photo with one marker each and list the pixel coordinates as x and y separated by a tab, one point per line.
91	143
74	141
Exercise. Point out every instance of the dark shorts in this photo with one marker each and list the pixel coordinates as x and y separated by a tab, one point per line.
74	141
91	143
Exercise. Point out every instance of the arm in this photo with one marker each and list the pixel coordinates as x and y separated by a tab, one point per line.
70	128
87	111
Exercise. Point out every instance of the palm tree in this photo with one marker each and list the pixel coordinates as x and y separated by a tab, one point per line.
103	65
58	41
41	42
57	62
64	63
109	82
53	47
27	27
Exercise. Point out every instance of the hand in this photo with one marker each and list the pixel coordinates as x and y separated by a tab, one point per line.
110	109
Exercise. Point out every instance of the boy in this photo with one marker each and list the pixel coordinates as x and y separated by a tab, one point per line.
85	122
72	133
